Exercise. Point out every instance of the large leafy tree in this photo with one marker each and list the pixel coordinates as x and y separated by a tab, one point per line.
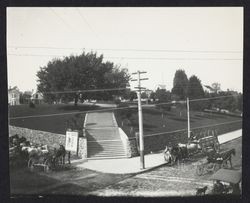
162	95
180	85
84	72
195	91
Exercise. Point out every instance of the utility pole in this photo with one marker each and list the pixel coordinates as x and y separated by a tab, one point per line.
188	118
141	141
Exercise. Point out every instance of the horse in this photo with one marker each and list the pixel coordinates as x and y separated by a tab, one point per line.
59	154
177	154
227	156
188	149
167	155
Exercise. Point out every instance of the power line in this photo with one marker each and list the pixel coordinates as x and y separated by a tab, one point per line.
90	90
68	25
86	22
101	110
202	99
193	100
76	112
167	132
137	58
133	50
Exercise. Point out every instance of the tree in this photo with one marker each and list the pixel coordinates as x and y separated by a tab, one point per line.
162	95
195	91
133	95
25	98
180	84
144	95
152	96
83	72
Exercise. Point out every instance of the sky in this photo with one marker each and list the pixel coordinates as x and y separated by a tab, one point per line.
206	42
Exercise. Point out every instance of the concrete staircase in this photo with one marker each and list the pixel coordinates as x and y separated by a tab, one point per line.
103	140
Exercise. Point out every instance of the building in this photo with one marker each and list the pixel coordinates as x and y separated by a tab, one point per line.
37	98
160	86
148	92
14	96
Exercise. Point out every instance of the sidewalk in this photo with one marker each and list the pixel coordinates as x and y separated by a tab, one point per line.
124	165
132	165
229	136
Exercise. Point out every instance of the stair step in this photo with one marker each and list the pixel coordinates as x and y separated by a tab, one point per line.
106	154
106	141
111	157
105	145
106	151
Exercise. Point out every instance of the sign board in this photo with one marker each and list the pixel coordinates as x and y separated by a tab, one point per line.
71	141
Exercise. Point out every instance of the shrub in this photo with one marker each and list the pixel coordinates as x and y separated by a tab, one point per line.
31	105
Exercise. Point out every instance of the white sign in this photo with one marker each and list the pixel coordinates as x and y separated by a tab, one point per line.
71	141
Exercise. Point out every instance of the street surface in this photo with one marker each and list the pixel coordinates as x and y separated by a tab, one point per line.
163	181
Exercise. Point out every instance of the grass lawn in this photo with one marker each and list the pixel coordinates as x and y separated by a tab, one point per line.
152	118
55	123
153	122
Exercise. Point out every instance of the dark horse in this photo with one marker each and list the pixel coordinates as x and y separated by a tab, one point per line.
178	153
59	156
216	157
227	156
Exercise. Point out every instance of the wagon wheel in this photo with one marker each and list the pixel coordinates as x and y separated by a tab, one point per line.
217	146
31	164
224	164
47	167
56	164
216	167
199	170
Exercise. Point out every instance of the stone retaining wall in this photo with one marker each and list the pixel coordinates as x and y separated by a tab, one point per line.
47	138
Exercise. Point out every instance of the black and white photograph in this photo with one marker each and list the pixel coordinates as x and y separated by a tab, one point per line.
125	101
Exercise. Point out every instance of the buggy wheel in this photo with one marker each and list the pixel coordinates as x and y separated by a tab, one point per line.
31	164
199	170
224	164
47	167
216	167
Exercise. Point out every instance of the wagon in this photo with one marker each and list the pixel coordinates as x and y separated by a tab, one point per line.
207	167
209	143
40	160
230	178
48	159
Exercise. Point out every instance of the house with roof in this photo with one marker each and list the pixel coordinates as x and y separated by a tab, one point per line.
37	98
14	96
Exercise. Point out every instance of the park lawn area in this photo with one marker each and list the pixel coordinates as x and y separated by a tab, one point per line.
53	123
153	122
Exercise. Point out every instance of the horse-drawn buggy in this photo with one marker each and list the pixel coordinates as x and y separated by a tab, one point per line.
194	146
225	182
215	161
47	158
23	153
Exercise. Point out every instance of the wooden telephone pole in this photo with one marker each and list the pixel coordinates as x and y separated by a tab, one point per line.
141	141
188	118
